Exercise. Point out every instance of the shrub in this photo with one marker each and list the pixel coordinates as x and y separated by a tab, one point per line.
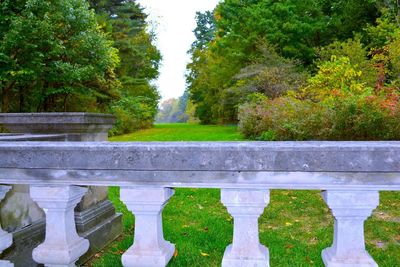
133	113
335	105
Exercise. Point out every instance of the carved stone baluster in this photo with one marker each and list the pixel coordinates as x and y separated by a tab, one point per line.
149	247
350	210
245	206
5	238
62	245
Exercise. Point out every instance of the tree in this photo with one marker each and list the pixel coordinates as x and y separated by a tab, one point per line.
125	23
243	28
54	57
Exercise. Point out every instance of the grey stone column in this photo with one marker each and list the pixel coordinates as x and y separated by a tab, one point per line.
350	209
245	206
149	248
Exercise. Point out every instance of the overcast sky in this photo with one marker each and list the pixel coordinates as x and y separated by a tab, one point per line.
175	22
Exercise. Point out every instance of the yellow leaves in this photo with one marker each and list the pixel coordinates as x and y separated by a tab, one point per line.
204	254
288	224
175	253
335	78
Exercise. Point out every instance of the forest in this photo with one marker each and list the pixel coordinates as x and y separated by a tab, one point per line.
281	70
78	55
299	70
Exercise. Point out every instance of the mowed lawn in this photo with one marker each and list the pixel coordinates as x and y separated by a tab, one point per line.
295	226
183	132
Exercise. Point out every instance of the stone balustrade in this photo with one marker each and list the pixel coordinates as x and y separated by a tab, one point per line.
349	174
95	216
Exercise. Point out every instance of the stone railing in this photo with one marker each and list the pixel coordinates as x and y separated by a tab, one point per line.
95	216
349	174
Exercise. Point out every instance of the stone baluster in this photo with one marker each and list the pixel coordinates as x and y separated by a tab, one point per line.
62	245
5	238
149	247
245	206
350	209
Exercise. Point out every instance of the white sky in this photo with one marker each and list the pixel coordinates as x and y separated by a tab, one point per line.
175	21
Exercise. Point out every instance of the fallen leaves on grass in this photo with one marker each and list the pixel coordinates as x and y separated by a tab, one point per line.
204	254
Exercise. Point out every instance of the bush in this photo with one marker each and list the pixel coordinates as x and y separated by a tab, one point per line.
284	118
371	117
335	105
133	113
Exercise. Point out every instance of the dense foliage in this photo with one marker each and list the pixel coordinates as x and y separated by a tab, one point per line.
54	57
125	22
299	70
62	55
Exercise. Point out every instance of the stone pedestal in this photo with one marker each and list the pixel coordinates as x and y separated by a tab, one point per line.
149	248
350	210
245	206
77	126
95	215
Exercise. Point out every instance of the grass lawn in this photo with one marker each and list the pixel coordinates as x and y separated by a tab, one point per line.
295	226
183	132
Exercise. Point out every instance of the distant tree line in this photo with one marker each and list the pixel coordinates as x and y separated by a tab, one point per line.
176	110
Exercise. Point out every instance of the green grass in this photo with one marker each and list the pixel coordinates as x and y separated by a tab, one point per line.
295	226
183	132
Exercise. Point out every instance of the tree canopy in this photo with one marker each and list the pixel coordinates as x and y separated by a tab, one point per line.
240	36
75	55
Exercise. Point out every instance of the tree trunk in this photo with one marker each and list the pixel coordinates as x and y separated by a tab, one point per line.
65	102
5	99
21	100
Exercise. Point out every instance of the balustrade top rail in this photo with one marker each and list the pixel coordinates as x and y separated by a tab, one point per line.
295	165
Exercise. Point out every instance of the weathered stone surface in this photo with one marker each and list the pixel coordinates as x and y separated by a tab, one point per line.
24	241
302	165
350	210
352	172
18	210
32	137
149	248
5	238
207	156
245	206
60	127
78	126
100	225
62	245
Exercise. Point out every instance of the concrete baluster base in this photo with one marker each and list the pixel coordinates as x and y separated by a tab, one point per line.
5	238
245	206
350	209
149	248
62	245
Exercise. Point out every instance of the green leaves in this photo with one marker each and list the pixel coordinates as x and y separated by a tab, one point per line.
50	46
232	41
